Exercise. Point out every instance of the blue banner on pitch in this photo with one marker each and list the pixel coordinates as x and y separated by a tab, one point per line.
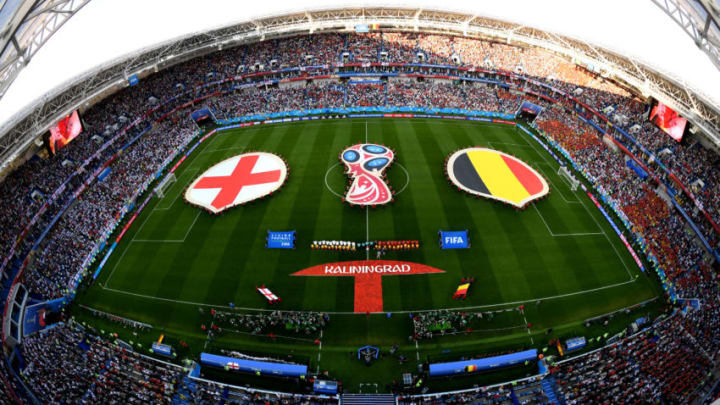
281	240
454	239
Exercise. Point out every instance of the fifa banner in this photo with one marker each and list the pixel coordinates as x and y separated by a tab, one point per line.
133	80
454	239
280	240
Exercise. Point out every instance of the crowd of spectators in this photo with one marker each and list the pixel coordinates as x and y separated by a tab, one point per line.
154	105
210	393
524	392
660	364
67	365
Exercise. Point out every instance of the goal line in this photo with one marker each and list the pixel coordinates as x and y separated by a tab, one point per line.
164	184
568	177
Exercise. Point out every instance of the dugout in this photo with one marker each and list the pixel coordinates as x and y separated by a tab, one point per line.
467	367
269	368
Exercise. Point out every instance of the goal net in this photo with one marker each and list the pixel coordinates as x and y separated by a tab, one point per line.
565	174
164	184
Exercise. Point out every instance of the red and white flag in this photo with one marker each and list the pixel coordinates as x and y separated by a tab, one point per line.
237	180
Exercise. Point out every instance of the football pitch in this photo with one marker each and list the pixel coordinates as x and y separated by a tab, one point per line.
560	250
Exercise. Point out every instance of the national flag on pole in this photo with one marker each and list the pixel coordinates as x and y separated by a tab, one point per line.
461	292
272	298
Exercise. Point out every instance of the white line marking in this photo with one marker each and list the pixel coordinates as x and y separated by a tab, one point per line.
367	232
319	353
417	351
528	329
207	339
116	265
191	226
326	181
508	143
586	210
406	175
610	242
564	234
327	185
194	171
502	304
557	188
169	240
543	219
367	212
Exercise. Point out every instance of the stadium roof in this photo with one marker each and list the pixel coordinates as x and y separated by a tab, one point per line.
103	30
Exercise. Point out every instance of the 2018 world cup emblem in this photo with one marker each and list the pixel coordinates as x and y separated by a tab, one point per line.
365	164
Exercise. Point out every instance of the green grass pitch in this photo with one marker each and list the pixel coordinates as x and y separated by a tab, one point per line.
176	258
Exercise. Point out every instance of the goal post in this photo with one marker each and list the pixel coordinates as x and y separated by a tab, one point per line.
166	182
565	174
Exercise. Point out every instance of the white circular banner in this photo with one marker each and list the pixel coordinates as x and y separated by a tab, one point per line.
237	180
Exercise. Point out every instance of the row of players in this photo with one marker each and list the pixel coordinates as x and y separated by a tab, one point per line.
350	246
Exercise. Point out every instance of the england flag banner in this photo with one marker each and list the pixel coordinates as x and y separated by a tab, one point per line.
280	240
236	181
265	292
454	239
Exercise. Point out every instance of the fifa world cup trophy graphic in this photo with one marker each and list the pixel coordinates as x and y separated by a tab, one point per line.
365	164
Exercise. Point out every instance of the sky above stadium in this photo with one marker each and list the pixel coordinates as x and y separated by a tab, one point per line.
106	29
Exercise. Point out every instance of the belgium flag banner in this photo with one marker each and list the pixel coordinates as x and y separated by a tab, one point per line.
496	175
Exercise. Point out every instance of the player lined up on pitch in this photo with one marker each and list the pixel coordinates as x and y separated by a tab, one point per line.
379	245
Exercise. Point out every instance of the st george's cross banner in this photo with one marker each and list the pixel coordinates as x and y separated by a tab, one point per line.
237	180
496	175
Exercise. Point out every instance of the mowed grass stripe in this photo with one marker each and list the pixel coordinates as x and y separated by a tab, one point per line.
491	232
351	222
332	218
401	222
204	227
203	248
306	212
140	268
606	260
447	212
430	218
243	240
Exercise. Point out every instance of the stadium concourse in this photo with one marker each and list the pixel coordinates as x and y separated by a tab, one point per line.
673	360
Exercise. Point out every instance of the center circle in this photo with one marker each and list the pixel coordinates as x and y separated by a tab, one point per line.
407	181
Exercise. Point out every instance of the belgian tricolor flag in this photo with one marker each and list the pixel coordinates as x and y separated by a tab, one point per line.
497	175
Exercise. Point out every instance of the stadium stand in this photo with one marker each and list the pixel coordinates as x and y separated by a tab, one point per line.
667	362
